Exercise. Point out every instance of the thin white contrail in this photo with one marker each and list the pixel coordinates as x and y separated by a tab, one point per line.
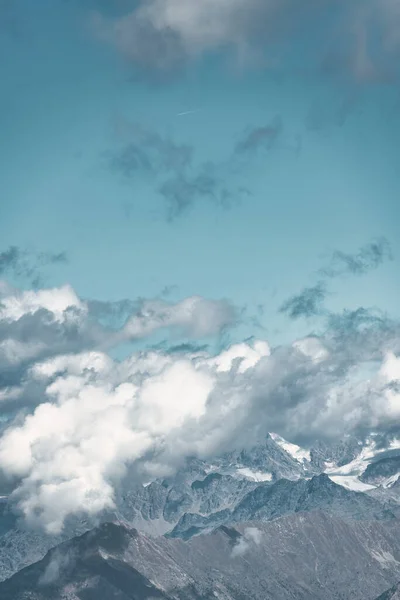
187	112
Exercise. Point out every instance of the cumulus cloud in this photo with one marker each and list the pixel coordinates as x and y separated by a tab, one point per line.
35	324
77	420
98	417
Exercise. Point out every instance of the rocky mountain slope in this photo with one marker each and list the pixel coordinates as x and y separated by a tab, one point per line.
392	594
269	501
263	482
302	556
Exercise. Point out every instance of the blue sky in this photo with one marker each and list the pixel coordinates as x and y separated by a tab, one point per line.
329	181
177	173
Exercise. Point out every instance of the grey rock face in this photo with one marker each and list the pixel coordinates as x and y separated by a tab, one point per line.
340	453
302	556
392	594
198	487
268	502
204	495
382	470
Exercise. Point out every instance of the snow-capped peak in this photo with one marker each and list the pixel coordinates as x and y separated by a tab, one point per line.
298	453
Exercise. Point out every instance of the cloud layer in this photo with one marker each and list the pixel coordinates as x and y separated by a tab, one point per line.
92	417
37	324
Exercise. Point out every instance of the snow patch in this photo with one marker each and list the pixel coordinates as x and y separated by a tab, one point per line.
296	452
390	481
351	482
386	559
357	466
254	475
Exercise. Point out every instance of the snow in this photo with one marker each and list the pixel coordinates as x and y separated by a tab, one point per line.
351	482
356	466
254	475
394	444
384	558
390	481
298	453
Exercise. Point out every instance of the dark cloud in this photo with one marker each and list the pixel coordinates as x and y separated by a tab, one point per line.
308	303
363	333
147	152
369	257
183	348
170	166
182	192
27	265
264	137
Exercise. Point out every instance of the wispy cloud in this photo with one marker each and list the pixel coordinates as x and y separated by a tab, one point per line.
28	265
171	167
263	137
310	301
367	258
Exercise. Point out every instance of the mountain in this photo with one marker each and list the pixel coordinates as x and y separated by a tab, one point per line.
384	472
297	557
270	479
392	594
269	501
200	487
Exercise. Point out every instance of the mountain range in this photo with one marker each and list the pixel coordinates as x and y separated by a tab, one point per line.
325	521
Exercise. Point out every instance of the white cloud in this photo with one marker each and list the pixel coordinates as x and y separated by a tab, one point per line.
243	355
91	417
37	324
57	300
167	28
98	416
251	537
162	34
312	348
202	24
390	372
194	316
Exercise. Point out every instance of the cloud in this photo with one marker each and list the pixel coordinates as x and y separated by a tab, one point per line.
367	258
98	417
182	192
349	40
61	560
36	324
251	537
264	137
171	167
145	150
308	303
27	265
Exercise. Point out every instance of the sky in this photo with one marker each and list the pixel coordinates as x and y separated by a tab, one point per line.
180	179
